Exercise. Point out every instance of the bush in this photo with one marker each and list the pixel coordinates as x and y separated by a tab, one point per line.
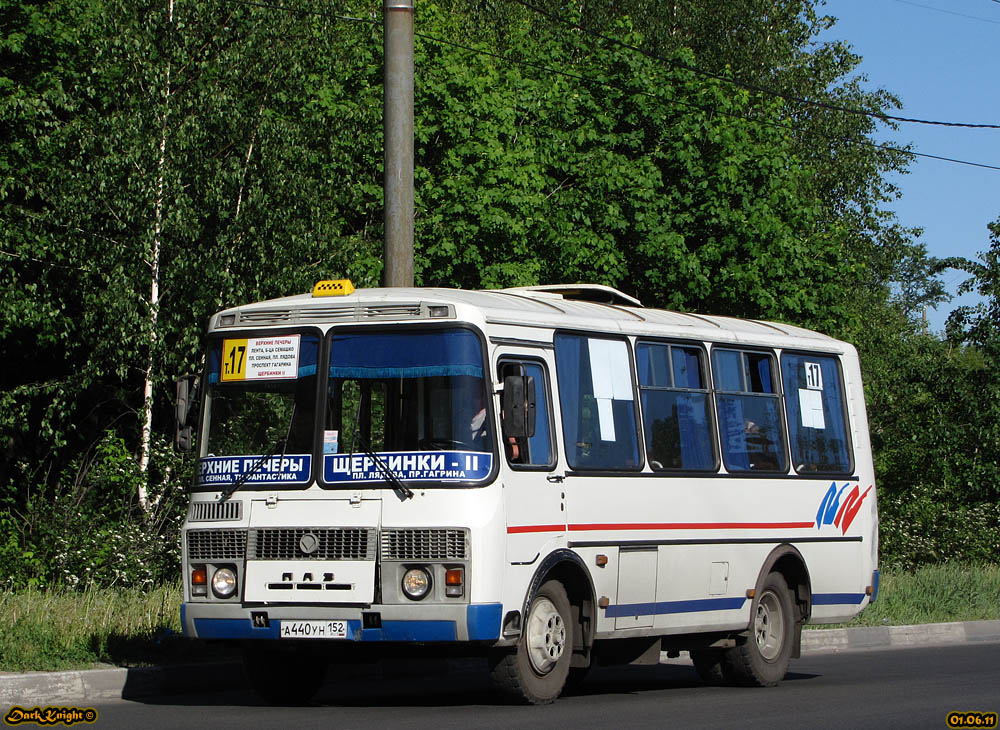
89	530
919	529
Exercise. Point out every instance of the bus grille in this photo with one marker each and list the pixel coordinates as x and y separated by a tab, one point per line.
351	312
425	544
215	511
216	544
339	543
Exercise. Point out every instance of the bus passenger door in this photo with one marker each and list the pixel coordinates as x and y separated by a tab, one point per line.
534	503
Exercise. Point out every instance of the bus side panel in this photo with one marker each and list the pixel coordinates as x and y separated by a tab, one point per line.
864	465
684	552
838	589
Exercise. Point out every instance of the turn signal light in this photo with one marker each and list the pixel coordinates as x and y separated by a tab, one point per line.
199	581
454	582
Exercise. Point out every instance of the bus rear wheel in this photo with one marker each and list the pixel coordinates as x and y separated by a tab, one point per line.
763	659
535	671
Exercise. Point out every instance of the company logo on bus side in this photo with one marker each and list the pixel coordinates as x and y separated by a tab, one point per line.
832	512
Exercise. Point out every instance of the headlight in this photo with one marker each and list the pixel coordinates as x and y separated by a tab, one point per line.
416	583
224	582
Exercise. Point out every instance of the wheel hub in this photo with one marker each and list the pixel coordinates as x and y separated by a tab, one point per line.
769	627
546	637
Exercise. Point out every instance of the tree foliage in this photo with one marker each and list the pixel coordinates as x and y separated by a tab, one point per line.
608	166
978	325
669	154
935	426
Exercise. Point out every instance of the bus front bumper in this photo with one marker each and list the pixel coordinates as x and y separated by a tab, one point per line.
379	623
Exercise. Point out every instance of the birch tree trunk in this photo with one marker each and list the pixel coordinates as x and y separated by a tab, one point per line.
154	288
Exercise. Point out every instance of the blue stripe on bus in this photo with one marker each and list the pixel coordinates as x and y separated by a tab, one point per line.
304	372
836	599
410	631
239	628
233	628
483	620
661	607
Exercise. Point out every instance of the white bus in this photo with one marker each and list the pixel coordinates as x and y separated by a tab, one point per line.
550	477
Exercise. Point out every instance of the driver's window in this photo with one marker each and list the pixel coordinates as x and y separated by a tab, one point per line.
361	407
535	451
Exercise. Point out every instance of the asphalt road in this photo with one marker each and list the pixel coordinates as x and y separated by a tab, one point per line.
888	688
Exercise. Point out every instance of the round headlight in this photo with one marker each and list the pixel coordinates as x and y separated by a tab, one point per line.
416	583
224	582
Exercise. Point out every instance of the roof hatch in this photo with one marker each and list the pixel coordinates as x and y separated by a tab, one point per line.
597	293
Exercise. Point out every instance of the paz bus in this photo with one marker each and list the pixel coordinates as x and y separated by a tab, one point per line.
549	477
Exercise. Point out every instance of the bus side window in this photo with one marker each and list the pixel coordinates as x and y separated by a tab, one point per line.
536	450
748	407
817	422
597	402
676	407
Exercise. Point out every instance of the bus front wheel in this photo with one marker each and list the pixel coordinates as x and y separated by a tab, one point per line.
535	671
763	659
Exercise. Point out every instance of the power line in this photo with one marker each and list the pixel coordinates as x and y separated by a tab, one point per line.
949	12
746	85
866	142
944	159
542	67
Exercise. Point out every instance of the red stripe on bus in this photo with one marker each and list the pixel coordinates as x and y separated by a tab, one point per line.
696	526
535	528
513	530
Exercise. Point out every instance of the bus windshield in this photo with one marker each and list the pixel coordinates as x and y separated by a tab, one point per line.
261	403
419	397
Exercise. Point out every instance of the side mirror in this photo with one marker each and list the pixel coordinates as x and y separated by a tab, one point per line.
187	388
518	406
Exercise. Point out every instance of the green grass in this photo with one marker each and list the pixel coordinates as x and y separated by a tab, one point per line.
62	629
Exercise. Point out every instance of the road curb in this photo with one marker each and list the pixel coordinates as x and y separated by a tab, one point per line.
93	685
88	685
877	637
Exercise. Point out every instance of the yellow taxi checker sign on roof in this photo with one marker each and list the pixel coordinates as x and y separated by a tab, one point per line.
333	288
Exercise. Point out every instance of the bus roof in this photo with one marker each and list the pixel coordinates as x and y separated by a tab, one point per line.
575	307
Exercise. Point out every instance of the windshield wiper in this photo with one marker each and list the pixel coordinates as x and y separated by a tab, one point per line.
245	476
401	490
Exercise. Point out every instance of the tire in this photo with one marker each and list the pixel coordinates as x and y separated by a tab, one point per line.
284	678
708	663
763	659
535	671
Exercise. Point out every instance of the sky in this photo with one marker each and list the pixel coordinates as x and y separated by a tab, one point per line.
941	58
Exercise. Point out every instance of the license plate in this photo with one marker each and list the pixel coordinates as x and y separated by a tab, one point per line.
313	630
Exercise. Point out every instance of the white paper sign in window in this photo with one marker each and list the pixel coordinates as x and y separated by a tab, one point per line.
612	378
811	407
260	358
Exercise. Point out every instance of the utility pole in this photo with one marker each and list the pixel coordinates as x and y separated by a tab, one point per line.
397	113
